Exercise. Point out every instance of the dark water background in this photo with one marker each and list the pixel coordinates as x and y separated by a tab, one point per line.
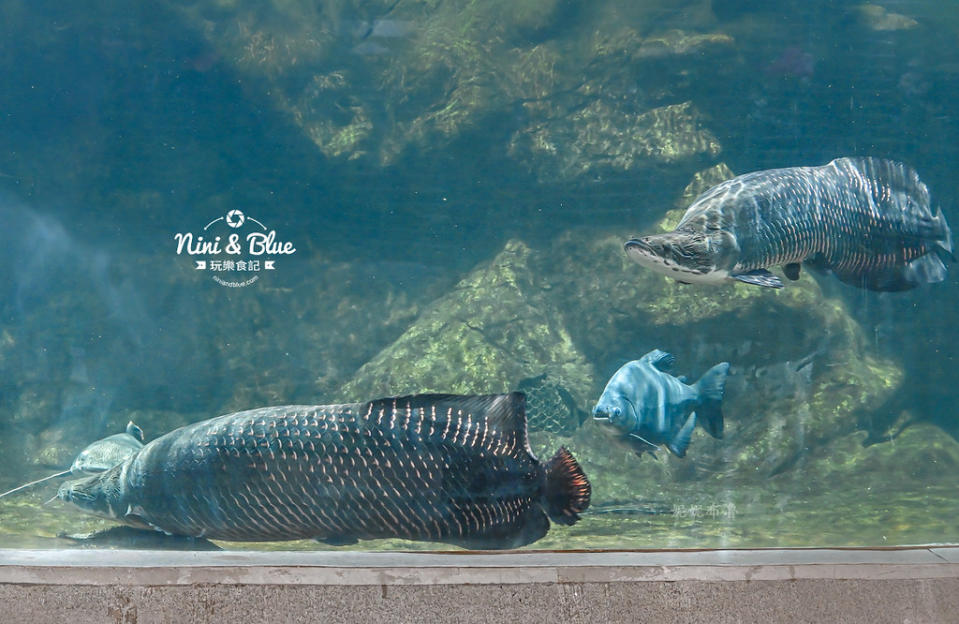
400	146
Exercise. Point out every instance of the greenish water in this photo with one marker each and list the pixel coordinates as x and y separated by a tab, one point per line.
457	180
844	518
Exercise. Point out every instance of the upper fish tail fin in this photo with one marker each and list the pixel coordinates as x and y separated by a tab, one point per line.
712	388
567	488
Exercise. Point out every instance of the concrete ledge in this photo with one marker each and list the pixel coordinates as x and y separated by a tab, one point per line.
871	586
134	567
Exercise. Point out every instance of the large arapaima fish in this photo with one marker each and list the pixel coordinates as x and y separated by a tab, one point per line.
866	220
445	468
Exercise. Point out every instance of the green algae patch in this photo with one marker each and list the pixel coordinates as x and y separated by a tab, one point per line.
374	80
605	136
918	454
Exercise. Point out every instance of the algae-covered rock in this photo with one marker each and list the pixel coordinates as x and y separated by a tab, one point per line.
496	328
372	80
603	137
877	17
920	453
623	116
897	492
675	42
344	134
701	182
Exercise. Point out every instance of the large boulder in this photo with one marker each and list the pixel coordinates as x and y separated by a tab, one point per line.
376	80
605	137
497	330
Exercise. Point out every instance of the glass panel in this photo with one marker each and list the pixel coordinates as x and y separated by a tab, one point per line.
211	206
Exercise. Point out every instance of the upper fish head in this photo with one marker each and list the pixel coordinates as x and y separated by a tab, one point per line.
99	495
688	257
104	454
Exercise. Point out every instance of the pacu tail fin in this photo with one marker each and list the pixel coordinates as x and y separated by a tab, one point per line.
567	488
712	388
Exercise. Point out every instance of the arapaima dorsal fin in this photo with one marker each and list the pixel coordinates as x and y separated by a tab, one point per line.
503	414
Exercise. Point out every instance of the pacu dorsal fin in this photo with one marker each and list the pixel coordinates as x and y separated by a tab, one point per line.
660	359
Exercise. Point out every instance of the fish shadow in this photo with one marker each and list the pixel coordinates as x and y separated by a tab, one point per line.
138	539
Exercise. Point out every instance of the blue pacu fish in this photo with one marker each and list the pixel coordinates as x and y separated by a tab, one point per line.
650	407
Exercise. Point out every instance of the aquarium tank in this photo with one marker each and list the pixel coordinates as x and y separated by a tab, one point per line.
441	249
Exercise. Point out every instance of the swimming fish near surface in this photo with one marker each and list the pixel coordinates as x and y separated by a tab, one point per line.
650	407
445	468
866	220
97	457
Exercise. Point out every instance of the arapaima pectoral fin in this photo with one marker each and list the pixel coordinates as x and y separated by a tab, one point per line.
759	277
